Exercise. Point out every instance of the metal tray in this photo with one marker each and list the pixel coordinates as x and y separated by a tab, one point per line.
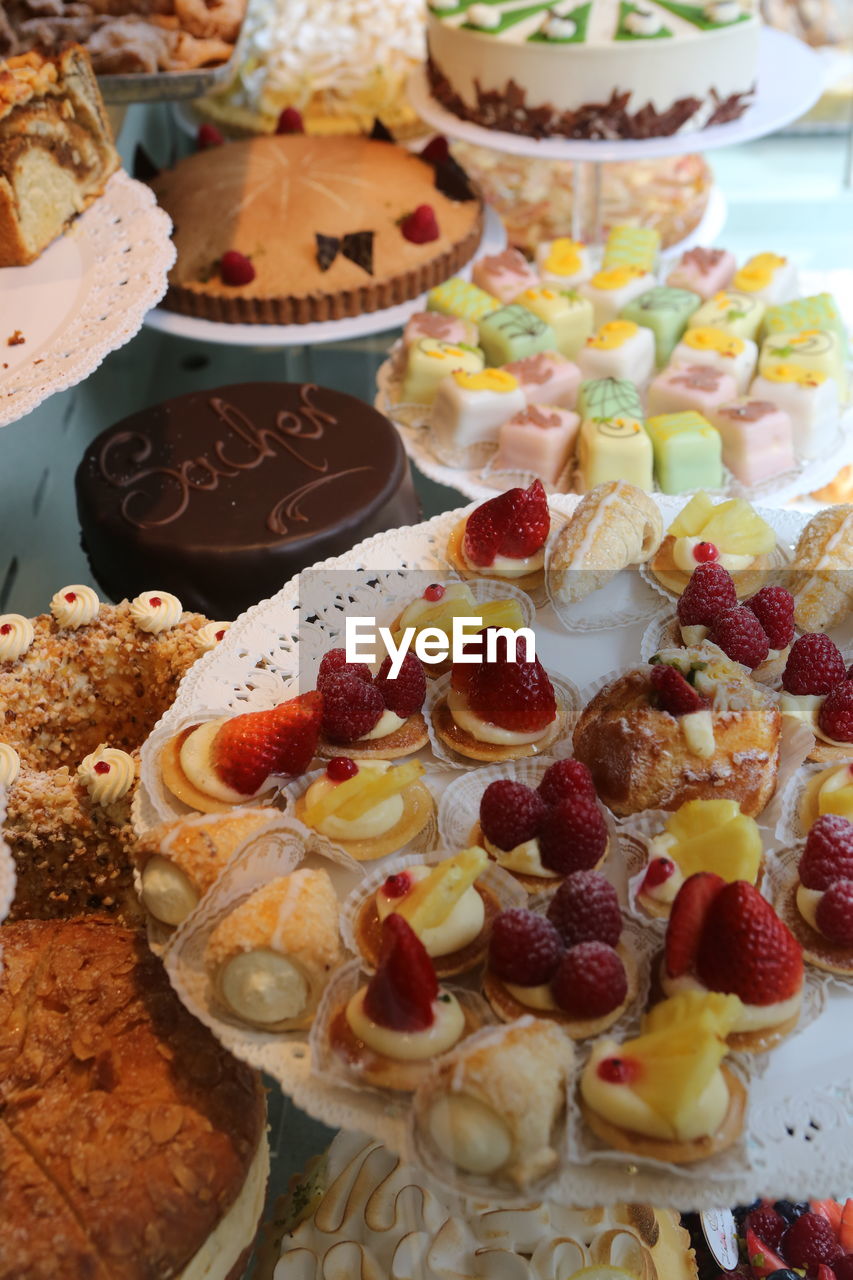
167	86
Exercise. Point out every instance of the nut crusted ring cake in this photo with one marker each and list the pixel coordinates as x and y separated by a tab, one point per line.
80	690
132	1145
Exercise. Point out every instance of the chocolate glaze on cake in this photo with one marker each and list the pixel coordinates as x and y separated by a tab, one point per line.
221	496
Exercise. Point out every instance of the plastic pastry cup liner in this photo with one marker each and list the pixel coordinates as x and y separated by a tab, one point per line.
501	478
508	891
389	388
471	457
789	827
328	1066
622	601
663	632
558	735
7	869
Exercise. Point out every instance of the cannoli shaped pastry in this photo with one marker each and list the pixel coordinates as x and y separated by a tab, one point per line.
614	526
823	585
270	958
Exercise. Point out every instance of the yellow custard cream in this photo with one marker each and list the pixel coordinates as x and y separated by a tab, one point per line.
807	904
196	764
470	1133
379	819
459	928
622	1106
806	708
409	1046
533	997
167	892
484	730
525	859
752	1017
389	722
507	566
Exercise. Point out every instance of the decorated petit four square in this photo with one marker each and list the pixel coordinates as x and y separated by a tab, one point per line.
614	448
612	288
700	387
620	349
563	263
429	361
547	378
569	315
721	350
818	350
540	440
609	398
632	247
703	271
467	411
513	332
738	313
432	324
767	276
809	399
665	311
456	297
758	439
820	311
504	275
688	452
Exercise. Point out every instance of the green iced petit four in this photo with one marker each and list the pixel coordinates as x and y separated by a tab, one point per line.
614	448
513	332
456	297
632	247
609	398
820	311
569	315
688	452
665	311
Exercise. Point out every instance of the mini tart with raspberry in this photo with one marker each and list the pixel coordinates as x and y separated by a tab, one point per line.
817	905
817	691
730	534
369	808
367	716
504	538
818	950
829	791
673	636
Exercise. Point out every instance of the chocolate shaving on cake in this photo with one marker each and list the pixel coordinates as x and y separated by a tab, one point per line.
328	248
380	132
358	247
452	181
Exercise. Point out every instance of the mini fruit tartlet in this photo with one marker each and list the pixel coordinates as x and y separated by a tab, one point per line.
702	835
447	905
367	716
757	634
504	537
369	808
498	710
727	938
818	905
541	835
492	1107
534	967
691	725
440	603
236	759
270	958
817	690
390	1031
730	534
828	791
666	1094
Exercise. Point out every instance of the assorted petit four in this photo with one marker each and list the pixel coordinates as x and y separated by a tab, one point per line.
563	263
504	275
540	439
822	582
456	297
687	451
809	398
632	247
730	535
439	327
612	288
696	388
817	312
568	316
513	332
705	344
767	276
735	312
468	411
613	443
757	634
665	311
817	691
547	378
818	904
757	436
369	808
619	349
429	361
813	350
504	538
613	526
703	271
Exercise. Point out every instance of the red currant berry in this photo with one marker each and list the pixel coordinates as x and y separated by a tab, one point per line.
340	768
660	869
706	553
397	886
618	1070
154	602
434	592
101	766
71	596
5	629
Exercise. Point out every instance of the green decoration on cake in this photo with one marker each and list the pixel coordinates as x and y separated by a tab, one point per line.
604	398
665	311
509	18
820	311
816	350
632	247
624	32
688	452
513	332
579	16
456	297
696	14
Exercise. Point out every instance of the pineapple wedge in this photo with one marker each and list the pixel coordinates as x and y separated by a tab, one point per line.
331	799
377	789
735	528
712	1011
713	835
433	898
491	613
678	1063
690	522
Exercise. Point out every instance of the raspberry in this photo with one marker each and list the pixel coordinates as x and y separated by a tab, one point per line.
740	636
290	121
843	1267
420	226
524	948
565	779
828	855
709	591
573	836
510	813
208	136
404	695
767	1224
236	269
836	715
835	913
585	908
351	707
436	150
335	663
590	981
814	665
774	609
674	693
810	1241
340	768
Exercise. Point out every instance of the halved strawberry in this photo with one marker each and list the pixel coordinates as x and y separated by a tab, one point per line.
687	920
517	696
845	1233
762	1259
404	988
251	747
515	523
746	950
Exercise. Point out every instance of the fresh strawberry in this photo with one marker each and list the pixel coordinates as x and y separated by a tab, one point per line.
845	1234
236	269
831	1210
421	225
590	981
709	591
687	919
405	694
516	695
810	1241
746	950
834	913
741	636
814	665
524	948
510	813
573	836
768	1225
585	908
531	526
208	136
673	693
565	779
836	715
404	988
774	609
828	855
249	748
515	524
334	663
436	150
762	1260
842	1269
351	707
290	121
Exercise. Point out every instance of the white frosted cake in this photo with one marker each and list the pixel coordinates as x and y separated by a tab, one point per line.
601	69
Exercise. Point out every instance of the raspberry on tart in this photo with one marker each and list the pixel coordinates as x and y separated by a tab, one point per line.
741	636
818	693
774	609
586	908
504	538
369	808
817	905
371	717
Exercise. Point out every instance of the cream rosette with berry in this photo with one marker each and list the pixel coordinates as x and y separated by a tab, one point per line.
812	888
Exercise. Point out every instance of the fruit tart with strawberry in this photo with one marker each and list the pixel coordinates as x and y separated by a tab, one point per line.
817	690
369	716
690	725
729	534
541	835
817	906
727	938
570	966
236	760
369	808
667	1093
440	603
504	537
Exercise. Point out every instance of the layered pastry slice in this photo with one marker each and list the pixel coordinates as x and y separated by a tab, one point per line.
504	537
371	716
56	149
369	807
729	534
818	905
817	690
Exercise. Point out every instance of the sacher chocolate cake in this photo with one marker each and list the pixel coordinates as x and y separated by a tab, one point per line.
221	496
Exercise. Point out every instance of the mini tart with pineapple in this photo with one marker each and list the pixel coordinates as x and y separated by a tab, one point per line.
447	907
829	791
369	716
235	760
504	538
817	905
369	808
667	1094
440	603
730	534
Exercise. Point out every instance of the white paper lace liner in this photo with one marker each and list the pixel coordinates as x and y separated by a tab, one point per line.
8	875
789	827
609	606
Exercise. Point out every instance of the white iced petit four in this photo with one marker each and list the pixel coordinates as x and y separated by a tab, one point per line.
468	410
723	351
738	313
620	349
809	399
504	275
569	316
563	263
704	271
691	386
547	378
540	440
612	288
816	350
429	361
758	439
432	324
768	276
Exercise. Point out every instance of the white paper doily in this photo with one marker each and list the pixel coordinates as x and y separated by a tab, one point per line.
84	297
7	866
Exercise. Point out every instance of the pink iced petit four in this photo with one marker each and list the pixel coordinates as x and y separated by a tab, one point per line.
539	440
703	271
431	324
504	275
694	386
758	439
547	378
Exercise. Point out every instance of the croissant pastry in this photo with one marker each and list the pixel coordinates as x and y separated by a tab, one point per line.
823	584
614	526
